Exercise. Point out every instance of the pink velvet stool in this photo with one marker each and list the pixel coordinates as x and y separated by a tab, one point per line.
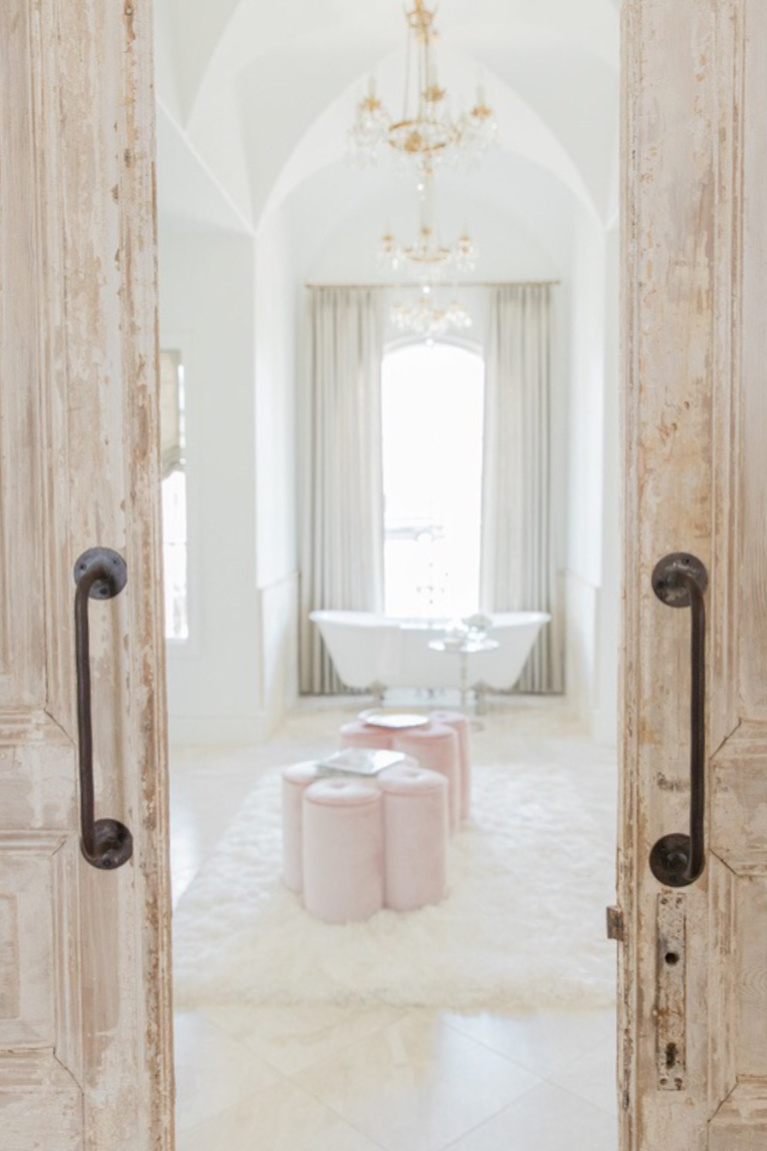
361	734
295	781
415	806
436	748
461	725
343	850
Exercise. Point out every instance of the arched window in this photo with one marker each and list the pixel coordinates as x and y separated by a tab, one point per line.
433	408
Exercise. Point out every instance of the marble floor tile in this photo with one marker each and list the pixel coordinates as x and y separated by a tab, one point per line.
213	1070
417	1084
292	1039
547	1118
544	1042
284	1118
207	788
593	1077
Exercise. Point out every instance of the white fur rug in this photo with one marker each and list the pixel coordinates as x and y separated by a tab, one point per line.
523	926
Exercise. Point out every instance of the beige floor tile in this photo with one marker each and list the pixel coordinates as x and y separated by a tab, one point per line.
545	1119
544	1042
417	1085
594	1077
207	789
284	1118
213	1070
294	1038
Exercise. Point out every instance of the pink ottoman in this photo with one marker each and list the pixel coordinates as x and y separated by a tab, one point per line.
461	725
343	850
436	748
361	734
295	781
415	805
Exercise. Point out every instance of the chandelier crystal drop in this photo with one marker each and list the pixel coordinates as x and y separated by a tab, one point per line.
427	318
426	132
370	128
479	129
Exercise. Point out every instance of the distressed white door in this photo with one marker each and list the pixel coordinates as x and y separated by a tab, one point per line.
85	1053
694	960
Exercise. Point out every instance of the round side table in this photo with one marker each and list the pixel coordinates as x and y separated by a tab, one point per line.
464	651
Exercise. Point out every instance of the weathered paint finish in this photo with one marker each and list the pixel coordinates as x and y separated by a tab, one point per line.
695	430
85	1037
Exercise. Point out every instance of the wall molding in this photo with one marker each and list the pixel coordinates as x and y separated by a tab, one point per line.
278	614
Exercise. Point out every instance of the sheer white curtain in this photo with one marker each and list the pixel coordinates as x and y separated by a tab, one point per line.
341	471
519	524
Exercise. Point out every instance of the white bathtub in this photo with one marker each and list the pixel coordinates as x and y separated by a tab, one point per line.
375	652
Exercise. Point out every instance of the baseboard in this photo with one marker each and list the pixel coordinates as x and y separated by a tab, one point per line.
216	730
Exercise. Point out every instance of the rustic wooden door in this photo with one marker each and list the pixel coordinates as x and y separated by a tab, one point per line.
85	1052
694	958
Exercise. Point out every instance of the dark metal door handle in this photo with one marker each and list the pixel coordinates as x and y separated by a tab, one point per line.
681	580
99	574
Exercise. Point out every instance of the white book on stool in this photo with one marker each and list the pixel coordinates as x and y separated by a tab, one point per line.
359	761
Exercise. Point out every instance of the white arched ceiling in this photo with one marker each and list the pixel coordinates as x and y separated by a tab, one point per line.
575	94
323	143
336	225
187	190
251	79
236	30
265	94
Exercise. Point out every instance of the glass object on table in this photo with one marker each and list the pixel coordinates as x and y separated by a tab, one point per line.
478	625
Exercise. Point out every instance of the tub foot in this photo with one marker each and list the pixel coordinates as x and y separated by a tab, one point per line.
378	691
480	698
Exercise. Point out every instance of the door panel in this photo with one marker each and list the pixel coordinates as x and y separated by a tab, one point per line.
42	1104
85	1051
695	424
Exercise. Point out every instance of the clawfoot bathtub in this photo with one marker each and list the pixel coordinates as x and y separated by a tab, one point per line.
374	652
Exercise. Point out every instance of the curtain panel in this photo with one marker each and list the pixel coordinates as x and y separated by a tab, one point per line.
519	522
341	481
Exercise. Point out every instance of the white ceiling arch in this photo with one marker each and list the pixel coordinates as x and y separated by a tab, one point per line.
265	93
323	143
226	33
335	223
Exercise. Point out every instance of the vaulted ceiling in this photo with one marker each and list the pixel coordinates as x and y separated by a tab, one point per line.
262	95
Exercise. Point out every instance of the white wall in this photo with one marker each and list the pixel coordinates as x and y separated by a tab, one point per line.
228	299
605	724
592	581
206	309
276	365
584	522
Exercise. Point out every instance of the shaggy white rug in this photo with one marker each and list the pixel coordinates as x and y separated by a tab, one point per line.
523	926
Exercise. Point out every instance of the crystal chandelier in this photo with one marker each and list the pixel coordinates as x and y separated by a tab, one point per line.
426	132
427	259
427	318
